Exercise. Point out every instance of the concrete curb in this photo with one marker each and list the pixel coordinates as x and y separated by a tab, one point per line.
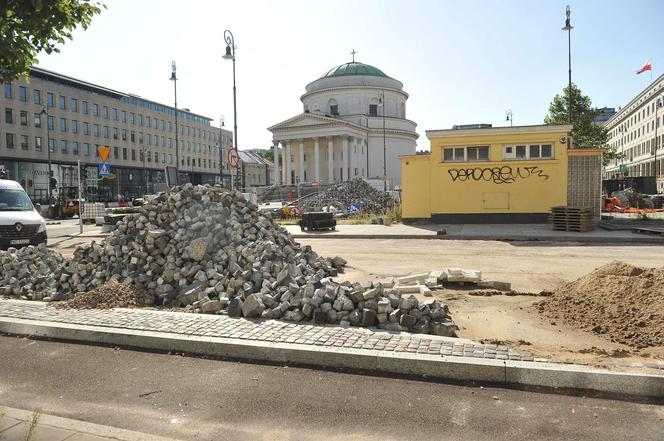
530	374
82	427
650	240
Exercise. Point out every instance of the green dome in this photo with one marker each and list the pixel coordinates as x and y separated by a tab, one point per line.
354	68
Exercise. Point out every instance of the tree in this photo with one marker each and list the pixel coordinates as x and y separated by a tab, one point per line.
585	132
28	27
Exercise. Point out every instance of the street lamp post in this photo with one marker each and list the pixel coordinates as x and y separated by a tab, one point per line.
509	116
177	144
221	150
44	111
145	178
382	103
658	104
230	55
568	27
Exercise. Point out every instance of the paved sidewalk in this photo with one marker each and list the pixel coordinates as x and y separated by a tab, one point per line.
509	232
51	428
266	331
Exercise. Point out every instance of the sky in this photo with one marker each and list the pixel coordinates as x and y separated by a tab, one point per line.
461	62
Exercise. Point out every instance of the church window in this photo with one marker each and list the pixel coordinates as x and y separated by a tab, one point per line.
334	107
373	109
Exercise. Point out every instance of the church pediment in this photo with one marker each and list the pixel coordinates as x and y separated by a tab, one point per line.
305	120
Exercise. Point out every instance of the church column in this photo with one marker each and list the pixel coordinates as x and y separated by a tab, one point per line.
330	159
317	160
301	160
344	159
275	155
287	163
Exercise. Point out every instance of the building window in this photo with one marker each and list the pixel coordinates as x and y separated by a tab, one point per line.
24	142
132	117
170	127
8	91
63	102
63	125
155	139
86	128
116	152
140	120
373	109
124	116
334	107
106	132
124	134
9	138
148	139
24	118
115	114
22	94
132	136
140	137
74	126
63	146
38	143
149	156
525	152
133	154
36	96
74	147
37	120
84	107
124	153
105	112
115	133
95	130
51	145
9	116
49	99
74	105
454	154
162	124
95	109
147	121
86	149
141	155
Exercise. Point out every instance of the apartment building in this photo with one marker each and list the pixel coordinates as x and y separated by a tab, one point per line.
634	130
54	118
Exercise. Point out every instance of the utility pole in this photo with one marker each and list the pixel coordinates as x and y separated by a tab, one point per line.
80	200
568	27
658	103
177	144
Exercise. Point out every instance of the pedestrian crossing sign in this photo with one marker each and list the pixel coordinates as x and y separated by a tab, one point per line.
104	169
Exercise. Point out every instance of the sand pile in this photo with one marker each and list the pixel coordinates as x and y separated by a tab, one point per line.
110	295
619	301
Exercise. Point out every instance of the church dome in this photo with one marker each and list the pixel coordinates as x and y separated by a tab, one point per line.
354	68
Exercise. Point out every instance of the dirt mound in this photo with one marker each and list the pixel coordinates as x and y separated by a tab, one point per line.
110	295
619	301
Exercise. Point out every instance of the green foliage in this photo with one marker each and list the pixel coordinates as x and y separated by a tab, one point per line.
267	154
585	133
28	27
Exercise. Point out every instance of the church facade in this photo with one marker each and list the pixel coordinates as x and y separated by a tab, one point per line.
353	124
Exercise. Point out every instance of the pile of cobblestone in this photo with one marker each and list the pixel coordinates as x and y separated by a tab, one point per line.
209	250
345	194
29	272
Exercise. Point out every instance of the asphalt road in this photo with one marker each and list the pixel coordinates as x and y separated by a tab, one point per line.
201	399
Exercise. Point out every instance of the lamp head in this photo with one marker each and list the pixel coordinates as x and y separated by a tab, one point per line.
229	53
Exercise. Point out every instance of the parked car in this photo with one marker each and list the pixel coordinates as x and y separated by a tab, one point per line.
20	223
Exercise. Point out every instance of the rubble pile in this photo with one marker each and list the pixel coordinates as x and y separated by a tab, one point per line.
209	250
109	295
344	194
629	198
29	272
423	283
618	301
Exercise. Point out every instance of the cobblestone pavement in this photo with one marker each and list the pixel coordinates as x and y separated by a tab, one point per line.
272	331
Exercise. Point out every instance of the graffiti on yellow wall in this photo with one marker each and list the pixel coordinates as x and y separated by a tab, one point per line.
505	174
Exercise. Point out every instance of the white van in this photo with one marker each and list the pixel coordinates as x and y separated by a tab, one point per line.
20	223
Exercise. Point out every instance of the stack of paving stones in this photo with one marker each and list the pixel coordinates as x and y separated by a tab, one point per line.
344	194
27	272
211	251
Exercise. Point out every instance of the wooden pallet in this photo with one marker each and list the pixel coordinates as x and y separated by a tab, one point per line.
571	219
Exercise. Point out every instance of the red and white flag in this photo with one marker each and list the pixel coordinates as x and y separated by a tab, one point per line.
647	66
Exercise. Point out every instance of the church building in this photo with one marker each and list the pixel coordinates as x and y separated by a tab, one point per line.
353	124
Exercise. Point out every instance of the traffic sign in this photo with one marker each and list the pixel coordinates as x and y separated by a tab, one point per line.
104	169
103	152
233	158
